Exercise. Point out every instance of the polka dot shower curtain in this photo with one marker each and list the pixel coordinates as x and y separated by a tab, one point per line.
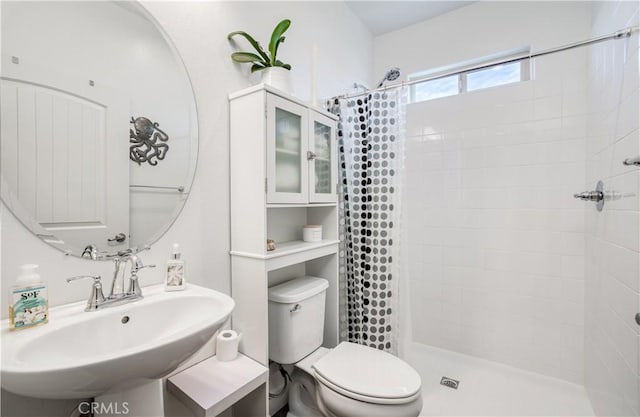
370	143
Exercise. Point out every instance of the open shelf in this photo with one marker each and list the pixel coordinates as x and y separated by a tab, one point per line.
297	246
289	253
322	267
210	387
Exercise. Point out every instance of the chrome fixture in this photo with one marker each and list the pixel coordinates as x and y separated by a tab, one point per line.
96	298
136	266
596	196
90	251
632	161
119	238
179	188
391	75
120	261
117	296
449	382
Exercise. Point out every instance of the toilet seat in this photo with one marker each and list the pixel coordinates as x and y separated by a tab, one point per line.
367	374
365	398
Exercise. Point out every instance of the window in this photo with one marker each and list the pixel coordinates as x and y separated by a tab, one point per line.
494	76
470	80
441	87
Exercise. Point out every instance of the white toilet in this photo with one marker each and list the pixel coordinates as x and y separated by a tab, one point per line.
350	380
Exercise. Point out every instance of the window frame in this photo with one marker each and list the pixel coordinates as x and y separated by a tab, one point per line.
461	73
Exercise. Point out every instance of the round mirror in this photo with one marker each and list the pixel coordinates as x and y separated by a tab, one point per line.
99	139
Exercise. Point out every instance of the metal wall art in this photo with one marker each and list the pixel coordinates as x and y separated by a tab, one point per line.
147	142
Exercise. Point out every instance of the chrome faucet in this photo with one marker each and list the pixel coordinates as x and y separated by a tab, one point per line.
117	283
136	266
96	298
117	296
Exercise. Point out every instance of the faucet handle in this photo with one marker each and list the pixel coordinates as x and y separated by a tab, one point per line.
146	266
96	297
96	278
134	285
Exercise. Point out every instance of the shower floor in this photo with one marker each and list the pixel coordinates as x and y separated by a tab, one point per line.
491	389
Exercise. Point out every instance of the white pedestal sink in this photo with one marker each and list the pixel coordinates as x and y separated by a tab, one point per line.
82	354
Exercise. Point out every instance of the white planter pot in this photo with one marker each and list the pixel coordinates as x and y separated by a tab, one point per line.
277	77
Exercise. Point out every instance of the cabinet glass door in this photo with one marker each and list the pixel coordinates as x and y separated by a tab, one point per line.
322	173
286	151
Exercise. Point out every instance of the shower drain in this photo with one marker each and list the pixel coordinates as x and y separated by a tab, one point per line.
449	382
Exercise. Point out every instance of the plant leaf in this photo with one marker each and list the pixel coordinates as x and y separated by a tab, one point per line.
257	67
244	57
276	37
256	45
281	64
276	48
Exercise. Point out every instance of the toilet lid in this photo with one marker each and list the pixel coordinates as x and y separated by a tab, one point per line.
365	373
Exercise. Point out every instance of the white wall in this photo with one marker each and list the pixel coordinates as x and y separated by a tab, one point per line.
496	239
612	267
199	31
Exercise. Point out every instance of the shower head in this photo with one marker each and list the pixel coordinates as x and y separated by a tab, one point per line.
391	75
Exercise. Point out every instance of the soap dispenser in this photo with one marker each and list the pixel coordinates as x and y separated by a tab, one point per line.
175	279
28	301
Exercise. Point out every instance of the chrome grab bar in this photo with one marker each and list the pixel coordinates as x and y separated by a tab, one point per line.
179	188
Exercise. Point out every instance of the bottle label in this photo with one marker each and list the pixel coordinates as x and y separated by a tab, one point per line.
29	307
175	275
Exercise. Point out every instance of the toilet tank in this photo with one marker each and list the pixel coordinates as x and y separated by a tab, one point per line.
296	318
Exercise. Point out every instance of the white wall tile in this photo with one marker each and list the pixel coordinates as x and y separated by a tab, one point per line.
516	253
612	259
500	224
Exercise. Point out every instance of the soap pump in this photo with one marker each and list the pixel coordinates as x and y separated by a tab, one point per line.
175	279
28	301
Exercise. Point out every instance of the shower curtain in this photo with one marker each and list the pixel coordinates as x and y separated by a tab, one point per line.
374	309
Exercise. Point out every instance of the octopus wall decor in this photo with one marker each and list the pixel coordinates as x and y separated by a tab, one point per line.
147	142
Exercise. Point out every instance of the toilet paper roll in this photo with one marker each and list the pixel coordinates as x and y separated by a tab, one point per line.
227	345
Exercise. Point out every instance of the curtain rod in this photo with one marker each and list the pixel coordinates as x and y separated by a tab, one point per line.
621	34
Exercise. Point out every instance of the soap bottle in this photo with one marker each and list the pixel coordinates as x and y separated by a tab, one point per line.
175	279
28	301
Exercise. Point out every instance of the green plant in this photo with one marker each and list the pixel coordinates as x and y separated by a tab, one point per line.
262	60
